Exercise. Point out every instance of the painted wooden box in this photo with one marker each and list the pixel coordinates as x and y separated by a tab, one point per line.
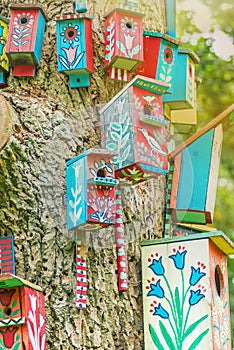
25	38
195	179
160	58
133	125
90	187
184	83
4	62
185	292
22	316
80	6
123	42
75	48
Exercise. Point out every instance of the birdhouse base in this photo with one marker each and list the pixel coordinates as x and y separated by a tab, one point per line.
79	80
153	120
106	181
149	84
24	71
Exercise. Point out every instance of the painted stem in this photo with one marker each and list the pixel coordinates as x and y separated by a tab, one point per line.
81	274
120	244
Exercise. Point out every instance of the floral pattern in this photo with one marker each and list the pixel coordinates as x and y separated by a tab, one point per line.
35	325
23	24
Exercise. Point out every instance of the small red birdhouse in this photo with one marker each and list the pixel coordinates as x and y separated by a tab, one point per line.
22	317
25	38
4	62
123	42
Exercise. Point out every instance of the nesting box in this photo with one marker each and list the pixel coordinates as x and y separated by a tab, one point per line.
134	127
185	292
184	83
22	317
160	58
4	62
123	42
25	38
80	6
75	48
90	186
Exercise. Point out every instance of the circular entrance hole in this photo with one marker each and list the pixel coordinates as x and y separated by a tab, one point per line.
23	20
219	280
129	25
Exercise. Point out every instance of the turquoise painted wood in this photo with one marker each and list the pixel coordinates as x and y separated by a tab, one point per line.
171	17
183	96
4	62
80	6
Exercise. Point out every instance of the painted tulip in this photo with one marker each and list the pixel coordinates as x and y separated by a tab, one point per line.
9	337
157	267
5	296
195	276
178	259
156	290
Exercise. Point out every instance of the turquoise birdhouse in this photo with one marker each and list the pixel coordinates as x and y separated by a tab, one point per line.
25	38
90	188
4	62
183	96
80	6
75	48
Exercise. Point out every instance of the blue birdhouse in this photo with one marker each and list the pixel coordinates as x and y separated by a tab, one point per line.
90	186
25	38
80	6
4	62
183	96
75	48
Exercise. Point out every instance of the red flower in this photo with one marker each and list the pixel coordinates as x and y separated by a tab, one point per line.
168	55
9	337
5	296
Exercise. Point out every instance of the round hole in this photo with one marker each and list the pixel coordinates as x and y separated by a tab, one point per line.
8	311
129	25
70	33
219	280
190	71
78	80
101	173
23	20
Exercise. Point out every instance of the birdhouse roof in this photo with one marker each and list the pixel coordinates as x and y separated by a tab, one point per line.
30	6
191	54
7	280
226	118
4	19
161	35
126	9
73	16
100	151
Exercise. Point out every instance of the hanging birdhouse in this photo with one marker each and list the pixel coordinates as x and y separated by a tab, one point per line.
183	120
160	58
75	48
184	84
123	42
185	292
4	62
134	127
25	38
22	318
80	6
90	184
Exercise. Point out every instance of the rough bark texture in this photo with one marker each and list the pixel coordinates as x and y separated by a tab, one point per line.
51	123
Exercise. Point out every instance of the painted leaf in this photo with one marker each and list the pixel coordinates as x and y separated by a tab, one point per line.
115	136
25	35
164	69
102	162
168	79
193	326
177	300
15	43
15	312
77	202
92	172
125	128
31	335
17	30
121	47
63	61
155	338
14	303
25	30
126	153
24	42
71	204
116	127
136	49
167	336
15	36
96	164
107	57
162	76
78	59
111	146
108	47
169	70
194	345
125	140
16	346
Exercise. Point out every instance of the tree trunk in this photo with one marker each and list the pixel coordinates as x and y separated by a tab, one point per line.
49	124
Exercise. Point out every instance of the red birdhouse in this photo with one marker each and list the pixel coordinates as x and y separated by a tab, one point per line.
123	42
22	317
25	38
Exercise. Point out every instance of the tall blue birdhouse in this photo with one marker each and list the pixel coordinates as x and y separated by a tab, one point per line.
25	38
4	62
75	48
90	186
80	6
183	96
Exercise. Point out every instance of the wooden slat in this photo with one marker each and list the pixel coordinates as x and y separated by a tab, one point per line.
81	271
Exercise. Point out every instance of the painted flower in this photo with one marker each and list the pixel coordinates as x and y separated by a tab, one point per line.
70	53
160	311
195	276
9	337
5	296
156	290
157	267
70	34
129	40
195	297
179	258
24	19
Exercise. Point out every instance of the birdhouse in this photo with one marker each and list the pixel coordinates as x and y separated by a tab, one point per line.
134	127
123	42
183	120
160	58
80	6
185	292
75	48
184	83
4	62
25	38
22	317
90	185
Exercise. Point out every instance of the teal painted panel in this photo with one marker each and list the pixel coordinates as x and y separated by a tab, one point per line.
39	37
194	173
76	194
171	17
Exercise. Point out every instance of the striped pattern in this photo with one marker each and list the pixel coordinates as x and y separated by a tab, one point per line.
120	245
81	278
7	257
119	74
72	16
167	228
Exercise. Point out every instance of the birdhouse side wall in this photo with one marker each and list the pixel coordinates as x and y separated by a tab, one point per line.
151	47
89	45
38	43
3	39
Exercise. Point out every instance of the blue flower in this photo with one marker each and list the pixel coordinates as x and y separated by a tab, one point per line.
156	290
195	297
178	259
160	311
157	267
195	276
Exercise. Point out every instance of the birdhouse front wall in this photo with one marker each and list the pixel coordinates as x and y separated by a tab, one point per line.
123	39
181	305
4	62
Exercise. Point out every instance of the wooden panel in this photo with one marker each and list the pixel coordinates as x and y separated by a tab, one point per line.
4	62
175	180
151	47
171	17
7	256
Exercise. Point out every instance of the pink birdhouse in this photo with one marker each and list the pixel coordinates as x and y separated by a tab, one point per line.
123	42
